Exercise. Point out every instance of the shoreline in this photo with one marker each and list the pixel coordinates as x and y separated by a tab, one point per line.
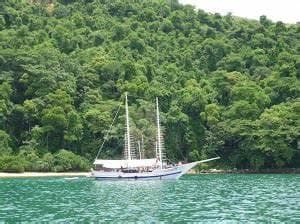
44	174
246	171
193	171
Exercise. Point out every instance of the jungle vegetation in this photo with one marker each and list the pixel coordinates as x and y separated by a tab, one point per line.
227	86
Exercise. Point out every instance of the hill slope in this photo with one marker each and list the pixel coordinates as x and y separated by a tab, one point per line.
227	86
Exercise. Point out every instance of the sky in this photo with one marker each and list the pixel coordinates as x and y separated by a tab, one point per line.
287	11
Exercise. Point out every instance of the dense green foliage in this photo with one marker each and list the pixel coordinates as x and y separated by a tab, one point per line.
28	160
227	86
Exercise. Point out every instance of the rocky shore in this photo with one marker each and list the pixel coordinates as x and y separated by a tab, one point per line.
246	171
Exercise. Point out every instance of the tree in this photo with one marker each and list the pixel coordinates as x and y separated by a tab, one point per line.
278	133
226	85
54	123
5	103
4	143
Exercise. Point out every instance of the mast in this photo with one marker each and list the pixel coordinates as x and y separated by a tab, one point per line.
139	146
127	128
142	147
158	135
156	152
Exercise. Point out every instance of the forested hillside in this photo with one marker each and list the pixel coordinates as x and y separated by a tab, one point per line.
227	86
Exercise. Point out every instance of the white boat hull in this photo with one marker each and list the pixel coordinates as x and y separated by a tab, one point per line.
158	174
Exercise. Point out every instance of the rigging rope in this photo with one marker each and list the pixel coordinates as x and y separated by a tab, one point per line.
106	136
109	130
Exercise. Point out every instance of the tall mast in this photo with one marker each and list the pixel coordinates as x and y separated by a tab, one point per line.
139	147
156	151
158	135
127	129
142	147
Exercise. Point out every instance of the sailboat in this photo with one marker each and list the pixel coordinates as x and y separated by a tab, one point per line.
131	168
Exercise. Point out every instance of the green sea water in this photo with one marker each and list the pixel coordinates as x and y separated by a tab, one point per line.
210	198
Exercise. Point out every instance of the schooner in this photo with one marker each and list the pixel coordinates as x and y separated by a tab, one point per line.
141	169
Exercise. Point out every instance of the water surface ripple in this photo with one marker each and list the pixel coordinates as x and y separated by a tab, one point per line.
194	198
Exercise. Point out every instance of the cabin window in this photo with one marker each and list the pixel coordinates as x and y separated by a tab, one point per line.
98	167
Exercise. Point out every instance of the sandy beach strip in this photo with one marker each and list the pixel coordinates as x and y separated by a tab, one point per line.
41	174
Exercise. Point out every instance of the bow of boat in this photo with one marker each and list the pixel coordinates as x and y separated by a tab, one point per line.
186	167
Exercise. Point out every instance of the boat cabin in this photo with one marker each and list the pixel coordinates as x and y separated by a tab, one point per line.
126	166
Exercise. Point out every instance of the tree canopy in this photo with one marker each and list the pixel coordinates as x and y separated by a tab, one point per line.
227	86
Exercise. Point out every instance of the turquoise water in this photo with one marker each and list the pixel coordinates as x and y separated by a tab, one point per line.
195	198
